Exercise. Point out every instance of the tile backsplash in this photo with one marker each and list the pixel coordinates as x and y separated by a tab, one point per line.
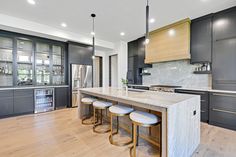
176	73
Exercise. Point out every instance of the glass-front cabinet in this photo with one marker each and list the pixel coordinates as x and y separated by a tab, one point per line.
24	62
6	61
42	65
29	61
58	65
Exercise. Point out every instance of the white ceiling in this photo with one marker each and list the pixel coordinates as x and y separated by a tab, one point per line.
113	16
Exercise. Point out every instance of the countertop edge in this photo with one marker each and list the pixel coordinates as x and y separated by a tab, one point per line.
33	87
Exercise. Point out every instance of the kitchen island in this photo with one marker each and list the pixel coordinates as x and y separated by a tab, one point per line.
180	114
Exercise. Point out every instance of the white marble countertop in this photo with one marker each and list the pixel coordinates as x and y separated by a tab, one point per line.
32	87
160	99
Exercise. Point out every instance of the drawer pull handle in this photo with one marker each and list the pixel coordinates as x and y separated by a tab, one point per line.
225	111
228	95
202	100
191	92
203	111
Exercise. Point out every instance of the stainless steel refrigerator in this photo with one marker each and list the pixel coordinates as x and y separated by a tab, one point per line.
81	78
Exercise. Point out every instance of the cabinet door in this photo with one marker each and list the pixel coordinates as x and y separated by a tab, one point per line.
80	54
201	40
141	54
23	101
224	24
6	105
223	110
61	97
224	73
132	48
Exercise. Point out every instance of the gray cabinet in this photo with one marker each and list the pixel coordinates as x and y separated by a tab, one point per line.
204	102
23	101
223	65
6	103
80	54
61	97
224	24
223	110
201	39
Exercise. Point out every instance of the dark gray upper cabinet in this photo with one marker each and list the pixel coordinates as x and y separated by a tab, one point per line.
224	24
23	101
201	39
141	54
223	65
80	54
61	97
6	103
132	48
223	110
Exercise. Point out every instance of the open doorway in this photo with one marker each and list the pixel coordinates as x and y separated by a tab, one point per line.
113	71
97	71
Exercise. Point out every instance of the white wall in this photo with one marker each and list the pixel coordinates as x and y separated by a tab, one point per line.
122	51
114	71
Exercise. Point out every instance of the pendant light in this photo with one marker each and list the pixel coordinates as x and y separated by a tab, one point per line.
147	24
93	34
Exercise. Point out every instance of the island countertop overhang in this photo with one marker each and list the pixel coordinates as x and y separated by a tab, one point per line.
154	98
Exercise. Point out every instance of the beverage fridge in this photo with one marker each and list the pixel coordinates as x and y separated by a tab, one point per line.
81	78
44	100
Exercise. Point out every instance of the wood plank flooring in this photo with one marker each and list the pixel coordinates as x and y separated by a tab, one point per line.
60	134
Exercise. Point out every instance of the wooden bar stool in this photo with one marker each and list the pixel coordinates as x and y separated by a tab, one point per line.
88	101
118	111
100	105
144	119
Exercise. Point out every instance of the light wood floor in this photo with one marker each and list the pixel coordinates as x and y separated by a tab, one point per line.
60	134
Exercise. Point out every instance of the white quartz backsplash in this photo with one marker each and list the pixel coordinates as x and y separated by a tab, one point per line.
176	73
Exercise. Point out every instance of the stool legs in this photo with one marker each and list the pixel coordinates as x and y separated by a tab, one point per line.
88	117
116	132
97	123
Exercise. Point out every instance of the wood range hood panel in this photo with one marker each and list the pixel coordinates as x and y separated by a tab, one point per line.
169	43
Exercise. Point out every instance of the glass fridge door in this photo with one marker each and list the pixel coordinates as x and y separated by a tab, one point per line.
42	64
6	60
44	100
24	62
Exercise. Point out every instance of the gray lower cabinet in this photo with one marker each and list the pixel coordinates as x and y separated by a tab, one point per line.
6	103
23	101
223	110
204	102
61	97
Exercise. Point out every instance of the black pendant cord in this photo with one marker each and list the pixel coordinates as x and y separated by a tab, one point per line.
147	22
93	34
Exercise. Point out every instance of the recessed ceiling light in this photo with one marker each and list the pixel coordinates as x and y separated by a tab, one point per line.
122	33
152	20
63	24
31	2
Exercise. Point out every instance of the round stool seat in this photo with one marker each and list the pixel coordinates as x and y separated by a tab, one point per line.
120	110
88	100
102	104
144	118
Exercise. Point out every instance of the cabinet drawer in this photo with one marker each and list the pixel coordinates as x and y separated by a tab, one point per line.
6	93
23	93
223	101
